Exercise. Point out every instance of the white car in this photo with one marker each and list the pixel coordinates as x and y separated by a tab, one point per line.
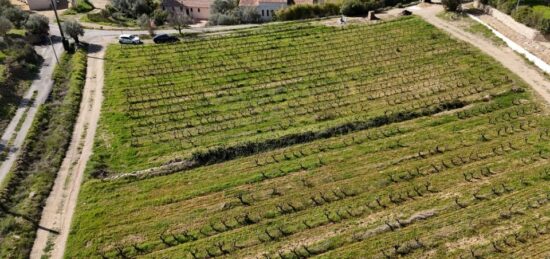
128	39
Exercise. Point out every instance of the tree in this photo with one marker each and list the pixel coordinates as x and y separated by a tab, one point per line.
5	26
145	23
451	5
249	14
134	8
160	16
73	29
179	21
16	16
223	6
37	25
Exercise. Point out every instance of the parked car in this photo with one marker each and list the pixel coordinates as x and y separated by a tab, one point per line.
128	39
164	38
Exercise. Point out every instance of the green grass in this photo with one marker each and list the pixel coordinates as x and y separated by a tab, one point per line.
545	10
110	21
355	179
480	29
25	189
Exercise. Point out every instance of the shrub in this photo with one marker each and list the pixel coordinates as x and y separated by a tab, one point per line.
223	6
307	11
83	6
533	17
451	5
223	19
133	8
16	16
5	26
359	7
37	24
248	14
160	17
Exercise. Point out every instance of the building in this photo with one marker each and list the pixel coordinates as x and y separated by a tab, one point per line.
46	4
196	9
267	8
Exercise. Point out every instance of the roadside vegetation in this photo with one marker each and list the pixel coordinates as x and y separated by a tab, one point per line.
332	8
297	140
24	191
533	13
19	62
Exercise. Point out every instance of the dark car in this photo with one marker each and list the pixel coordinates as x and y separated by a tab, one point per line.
164	38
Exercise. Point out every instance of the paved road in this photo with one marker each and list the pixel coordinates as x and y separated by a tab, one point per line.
42	87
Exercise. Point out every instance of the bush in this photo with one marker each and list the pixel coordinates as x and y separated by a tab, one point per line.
451	5
223	6
248	14
223	19
360	7
16	16
5	26
307	11
133	8
160	17
37	25
533	17
83	6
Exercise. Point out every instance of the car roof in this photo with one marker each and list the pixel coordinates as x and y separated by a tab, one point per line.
127	35
162	35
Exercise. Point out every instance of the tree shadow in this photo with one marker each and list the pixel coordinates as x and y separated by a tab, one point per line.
35	223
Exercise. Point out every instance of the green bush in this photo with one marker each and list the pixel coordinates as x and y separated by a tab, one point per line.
533	17
307	11
160	17
360	7
83	6
451	5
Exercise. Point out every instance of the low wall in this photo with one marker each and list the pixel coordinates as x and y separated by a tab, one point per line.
520	28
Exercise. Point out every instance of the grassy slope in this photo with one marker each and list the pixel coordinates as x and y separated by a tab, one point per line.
323	197
26	188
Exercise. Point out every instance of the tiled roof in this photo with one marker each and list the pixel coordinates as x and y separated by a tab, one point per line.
248	3
258	2
196	3
303	2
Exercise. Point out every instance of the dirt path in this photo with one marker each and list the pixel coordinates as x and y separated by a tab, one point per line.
506	56
60	205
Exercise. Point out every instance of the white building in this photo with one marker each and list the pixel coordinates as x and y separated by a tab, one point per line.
267	8
196	9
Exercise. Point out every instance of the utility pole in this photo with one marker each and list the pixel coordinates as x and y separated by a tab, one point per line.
54	53
63	40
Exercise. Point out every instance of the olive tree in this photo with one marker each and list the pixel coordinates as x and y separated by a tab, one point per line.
179	21
73	29
16	16
37	25
145	23
451	5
